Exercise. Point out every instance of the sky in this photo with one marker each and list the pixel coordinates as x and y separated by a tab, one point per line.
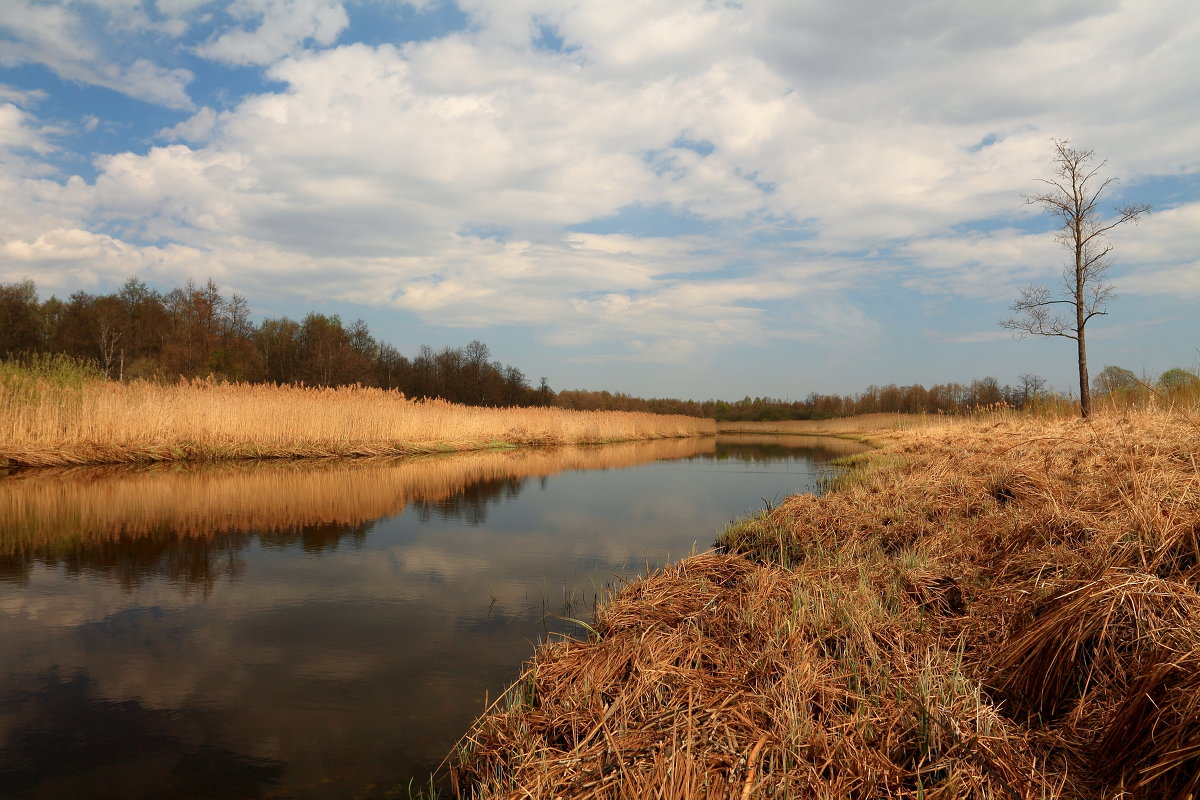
687	199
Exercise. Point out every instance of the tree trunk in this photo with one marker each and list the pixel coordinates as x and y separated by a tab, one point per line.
1085	392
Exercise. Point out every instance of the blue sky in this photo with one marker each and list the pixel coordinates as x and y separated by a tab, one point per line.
696	199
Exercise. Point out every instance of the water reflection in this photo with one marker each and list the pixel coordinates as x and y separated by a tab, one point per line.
60	735
759	447
320	630
470	503
189	522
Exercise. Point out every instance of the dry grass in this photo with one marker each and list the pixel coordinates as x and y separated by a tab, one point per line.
1004	607
861	424
44	422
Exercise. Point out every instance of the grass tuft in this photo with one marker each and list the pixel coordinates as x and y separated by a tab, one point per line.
1002	606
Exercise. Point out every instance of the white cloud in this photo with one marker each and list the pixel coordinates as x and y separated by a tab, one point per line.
196	128
815	150
18	131
155	84
179	8
59	38
974	337
1154	256
67	259
1176	280
1158	255
983	265
21	97
283	26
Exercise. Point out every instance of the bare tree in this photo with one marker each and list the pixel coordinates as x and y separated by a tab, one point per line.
110	322
1073	196
1115	379
1032	387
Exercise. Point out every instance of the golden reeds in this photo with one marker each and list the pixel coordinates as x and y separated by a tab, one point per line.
1002	607
43	422
840	425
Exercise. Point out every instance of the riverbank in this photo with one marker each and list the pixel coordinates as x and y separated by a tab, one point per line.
856	427
62	416
999	608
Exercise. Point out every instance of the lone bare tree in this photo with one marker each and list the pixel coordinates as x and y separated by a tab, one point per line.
1072	196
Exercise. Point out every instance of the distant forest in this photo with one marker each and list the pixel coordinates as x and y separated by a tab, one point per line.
196	332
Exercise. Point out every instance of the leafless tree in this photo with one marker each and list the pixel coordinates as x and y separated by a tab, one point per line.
110	328
1032	387
1072	196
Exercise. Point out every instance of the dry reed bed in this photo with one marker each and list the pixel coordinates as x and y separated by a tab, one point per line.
107	422
40	510
1002	609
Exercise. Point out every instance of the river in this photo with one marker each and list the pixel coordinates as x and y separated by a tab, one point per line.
323	629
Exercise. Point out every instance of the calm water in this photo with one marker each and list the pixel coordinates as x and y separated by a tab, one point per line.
322	630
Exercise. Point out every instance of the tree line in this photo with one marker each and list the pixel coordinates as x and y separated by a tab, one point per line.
949	398
196	332
1030	392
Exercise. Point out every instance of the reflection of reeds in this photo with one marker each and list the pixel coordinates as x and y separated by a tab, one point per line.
826	446
43	507
49	423
1004	608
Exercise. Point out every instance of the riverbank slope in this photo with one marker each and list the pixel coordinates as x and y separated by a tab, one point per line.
1004	607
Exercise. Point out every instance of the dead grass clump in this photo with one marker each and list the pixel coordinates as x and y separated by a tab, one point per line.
601	719
1151	745
1089	642
1005	607
718	678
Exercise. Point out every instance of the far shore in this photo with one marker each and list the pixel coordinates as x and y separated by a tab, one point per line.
68	419
856	426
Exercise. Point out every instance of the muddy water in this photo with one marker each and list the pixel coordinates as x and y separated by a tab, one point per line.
322	630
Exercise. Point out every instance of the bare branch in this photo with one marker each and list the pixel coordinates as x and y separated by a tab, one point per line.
1034	317
1129	213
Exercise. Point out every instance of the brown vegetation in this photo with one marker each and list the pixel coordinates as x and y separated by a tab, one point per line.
854	426
1003	608
51	421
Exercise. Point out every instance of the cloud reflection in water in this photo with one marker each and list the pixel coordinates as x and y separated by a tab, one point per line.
303	626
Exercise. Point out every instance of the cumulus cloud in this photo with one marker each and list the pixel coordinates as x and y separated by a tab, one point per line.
483	177
282	26
196	128
18	131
